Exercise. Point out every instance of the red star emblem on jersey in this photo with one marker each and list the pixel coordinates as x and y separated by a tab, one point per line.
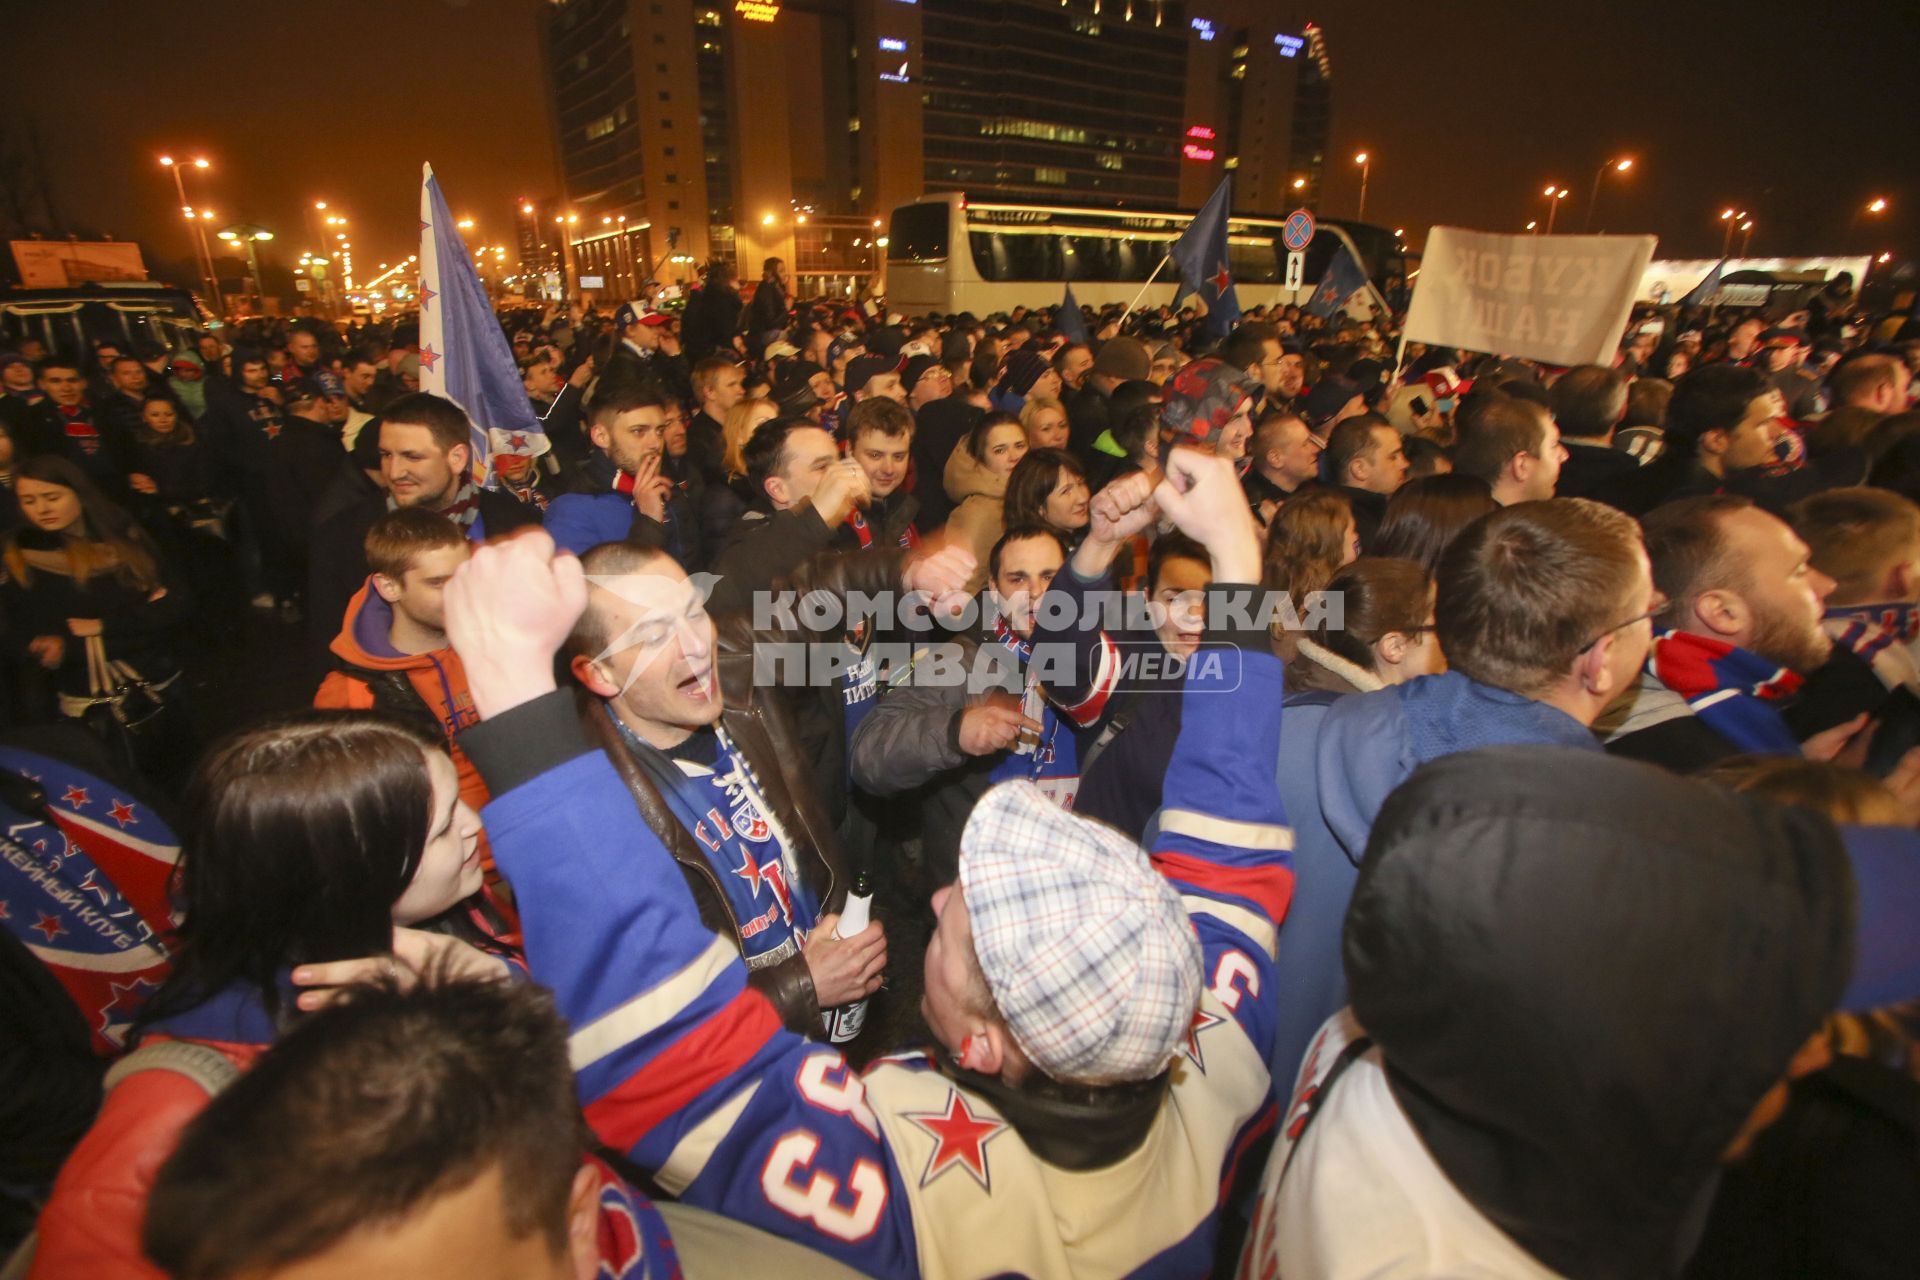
428	358
272	430
961	1139
49	926
1202	1020
75	798
1221	280
122	813
426	295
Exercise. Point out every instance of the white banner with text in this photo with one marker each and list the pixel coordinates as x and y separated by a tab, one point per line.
1559	299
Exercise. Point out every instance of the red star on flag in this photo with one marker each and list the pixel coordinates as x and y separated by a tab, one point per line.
1221	280
962	1139
426	295
428	358
424	224
76	798
49	926
1202	1020
516	441
122	813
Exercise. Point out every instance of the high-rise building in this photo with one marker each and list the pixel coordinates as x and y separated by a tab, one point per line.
746	129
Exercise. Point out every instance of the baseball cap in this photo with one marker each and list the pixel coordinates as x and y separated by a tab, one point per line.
330	385
1087	950
294	390
916	367
780	349
8	358
1200	399
863	369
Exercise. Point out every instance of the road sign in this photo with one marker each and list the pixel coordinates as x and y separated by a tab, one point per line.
1296	268
303	286
1297	234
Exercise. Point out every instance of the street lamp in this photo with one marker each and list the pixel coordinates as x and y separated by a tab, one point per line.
1732	220
251	235
1616	166
1534	227
1366	167
1299	184
1554	195
203	260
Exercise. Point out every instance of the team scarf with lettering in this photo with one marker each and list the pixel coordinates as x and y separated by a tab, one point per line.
1734	691
720	804
1870	629
909	536
1053	761
76	423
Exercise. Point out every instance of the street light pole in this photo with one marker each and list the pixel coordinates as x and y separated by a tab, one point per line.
1746	238
203	253
1554	196
1366	167
1618	166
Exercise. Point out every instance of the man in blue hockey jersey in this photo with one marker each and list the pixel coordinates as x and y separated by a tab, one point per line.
1103	1018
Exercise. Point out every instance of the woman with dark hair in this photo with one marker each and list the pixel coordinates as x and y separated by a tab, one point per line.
976	479
1382	633
1049	487
1426	515
1311	538
320	849
85	594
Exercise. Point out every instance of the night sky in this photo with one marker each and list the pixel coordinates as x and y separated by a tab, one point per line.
1799	113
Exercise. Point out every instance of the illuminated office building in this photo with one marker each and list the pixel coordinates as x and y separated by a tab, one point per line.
750	128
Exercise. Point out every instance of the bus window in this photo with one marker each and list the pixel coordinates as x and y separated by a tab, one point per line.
918	233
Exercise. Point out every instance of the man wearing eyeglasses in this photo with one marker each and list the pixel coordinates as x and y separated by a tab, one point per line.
1735	643
1543	610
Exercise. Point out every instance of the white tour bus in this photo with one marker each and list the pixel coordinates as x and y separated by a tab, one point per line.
948	254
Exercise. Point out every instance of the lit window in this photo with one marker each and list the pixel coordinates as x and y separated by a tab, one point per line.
1055	177
1111	162
600	128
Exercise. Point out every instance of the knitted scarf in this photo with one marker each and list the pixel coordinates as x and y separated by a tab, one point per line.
1872	628
464	507
1732	690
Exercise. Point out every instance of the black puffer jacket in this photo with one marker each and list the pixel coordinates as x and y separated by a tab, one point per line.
1582	992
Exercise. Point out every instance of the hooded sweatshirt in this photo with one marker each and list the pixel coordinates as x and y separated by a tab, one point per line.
978	517
1559	985
369	673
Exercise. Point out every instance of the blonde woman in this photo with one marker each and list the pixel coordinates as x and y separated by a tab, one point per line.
721	506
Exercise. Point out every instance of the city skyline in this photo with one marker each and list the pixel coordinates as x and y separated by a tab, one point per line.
1465	118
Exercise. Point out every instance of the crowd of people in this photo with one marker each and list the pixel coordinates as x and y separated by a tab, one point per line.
936	796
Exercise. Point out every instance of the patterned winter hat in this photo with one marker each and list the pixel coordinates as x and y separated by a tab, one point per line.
1086	948
1200	400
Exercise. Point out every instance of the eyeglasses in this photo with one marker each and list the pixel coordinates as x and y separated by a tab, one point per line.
1658	607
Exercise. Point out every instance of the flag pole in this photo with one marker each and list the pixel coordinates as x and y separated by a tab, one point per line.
1143	288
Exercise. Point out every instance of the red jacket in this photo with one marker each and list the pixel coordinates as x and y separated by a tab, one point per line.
91	1225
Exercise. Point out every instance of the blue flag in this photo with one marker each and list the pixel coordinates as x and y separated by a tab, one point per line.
1345	277
1070	321
1698	295
1204	262
464	354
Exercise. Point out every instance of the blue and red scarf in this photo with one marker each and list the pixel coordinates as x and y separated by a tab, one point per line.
1734	691
1053	761
1871	629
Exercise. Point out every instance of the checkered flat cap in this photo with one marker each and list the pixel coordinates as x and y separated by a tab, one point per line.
1087	949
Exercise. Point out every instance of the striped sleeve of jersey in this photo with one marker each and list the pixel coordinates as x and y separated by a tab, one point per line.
1224	841
678	1062
1079	662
